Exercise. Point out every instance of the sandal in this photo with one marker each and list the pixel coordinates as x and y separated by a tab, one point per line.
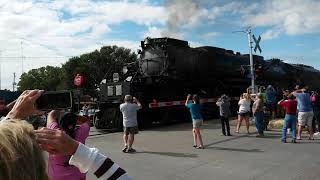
195	146
200	147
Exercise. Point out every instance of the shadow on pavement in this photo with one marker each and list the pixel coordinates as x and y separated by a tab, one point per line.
236	149
172	154
229	139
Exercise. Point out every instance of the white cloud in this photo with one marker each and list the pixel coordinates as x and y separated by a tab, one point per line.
271	34
152	32
210	35
64	28
293	17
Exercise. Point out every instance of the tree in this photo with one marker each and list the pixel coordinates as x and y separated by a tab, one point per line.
46	78
96	66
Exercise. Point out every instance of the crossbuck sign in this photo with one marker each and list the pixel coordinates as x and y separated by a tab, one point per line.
257	41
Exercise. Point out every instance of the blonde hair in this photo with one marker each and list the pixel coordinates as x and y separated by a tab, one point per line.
20	155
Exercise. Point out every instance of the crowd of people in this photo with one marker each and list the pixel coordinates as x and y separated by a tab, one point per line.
301	109
69	158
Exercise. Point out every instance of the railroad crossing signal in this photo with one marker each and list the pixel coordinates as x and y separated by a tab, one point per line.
257	41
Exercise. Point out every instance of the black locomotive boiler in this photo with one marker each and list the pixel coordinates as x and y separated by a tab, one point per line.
169	69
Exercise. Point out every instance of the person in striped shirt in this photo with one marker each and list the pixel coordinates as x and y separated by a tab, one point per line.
56	141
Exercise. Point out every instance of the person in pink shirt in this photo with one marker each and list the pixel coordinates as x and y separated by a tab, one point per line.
76	127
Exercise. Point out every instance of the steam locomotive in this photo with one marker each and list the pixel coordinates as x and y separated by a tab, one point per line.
169	69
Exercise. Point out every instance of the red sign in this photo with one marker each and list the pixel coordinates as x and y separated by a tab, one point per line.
78	80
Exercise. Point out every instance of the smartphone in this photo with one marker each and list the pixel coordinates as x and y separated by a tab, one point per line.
55	100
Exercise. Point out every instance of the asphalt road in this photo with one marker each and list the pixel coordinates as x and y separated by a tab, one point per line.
167	153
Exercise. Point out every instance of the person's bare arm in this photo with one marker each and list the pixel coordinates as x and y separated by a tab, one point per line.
137	101
187	100
294	93
56	141
52	118
280	101
10	105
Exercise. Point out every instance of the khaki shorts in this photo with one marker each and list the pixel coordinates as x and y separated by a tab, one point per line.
130	130
197	123
305	118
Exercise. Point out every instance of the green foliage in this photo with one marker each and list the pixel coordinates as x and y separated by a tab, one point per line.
46	78
94	66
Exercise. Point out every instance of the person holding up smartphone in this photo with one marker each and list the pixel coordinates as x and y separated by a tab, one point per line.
129	111
197	120
55	141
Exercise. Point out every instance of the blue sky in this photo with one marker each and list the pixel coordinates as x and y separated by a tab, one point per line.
48	32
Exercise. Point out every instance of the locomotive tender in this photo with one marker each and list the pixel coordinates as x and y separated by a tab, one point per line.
169	69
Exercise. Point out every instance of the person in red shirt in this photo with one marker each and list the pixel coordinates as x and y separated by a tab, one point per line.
290	107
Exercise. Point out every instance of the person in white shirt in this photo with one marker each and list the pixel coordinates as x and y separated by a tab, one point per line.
244	111
129	111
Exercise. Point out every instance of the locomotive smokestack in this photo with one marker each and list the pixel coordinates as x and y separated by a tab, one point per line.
182	13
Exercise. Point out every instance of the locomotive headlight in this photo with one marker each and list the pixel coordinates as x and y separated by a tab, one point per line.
125	69
115	77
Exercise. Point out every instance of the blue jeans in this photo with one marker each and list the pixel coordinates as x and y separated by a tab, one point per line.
258	116
292	121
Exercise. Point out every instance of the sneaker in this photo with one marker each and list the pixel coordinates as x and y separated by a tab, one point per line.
125	149
298	138
316	134
131	150
283	141
259	135
293	141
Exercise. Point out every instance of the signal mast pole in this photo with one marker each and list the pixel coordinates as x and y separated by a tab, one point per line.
251	60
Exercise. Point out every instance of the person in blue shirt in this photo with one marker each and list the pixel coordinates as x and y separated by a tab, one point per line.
197	120
270	100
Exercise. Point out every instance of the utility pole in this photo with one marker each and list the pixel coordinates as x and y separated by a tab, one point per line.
14	82
21	57
0	68
248	31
